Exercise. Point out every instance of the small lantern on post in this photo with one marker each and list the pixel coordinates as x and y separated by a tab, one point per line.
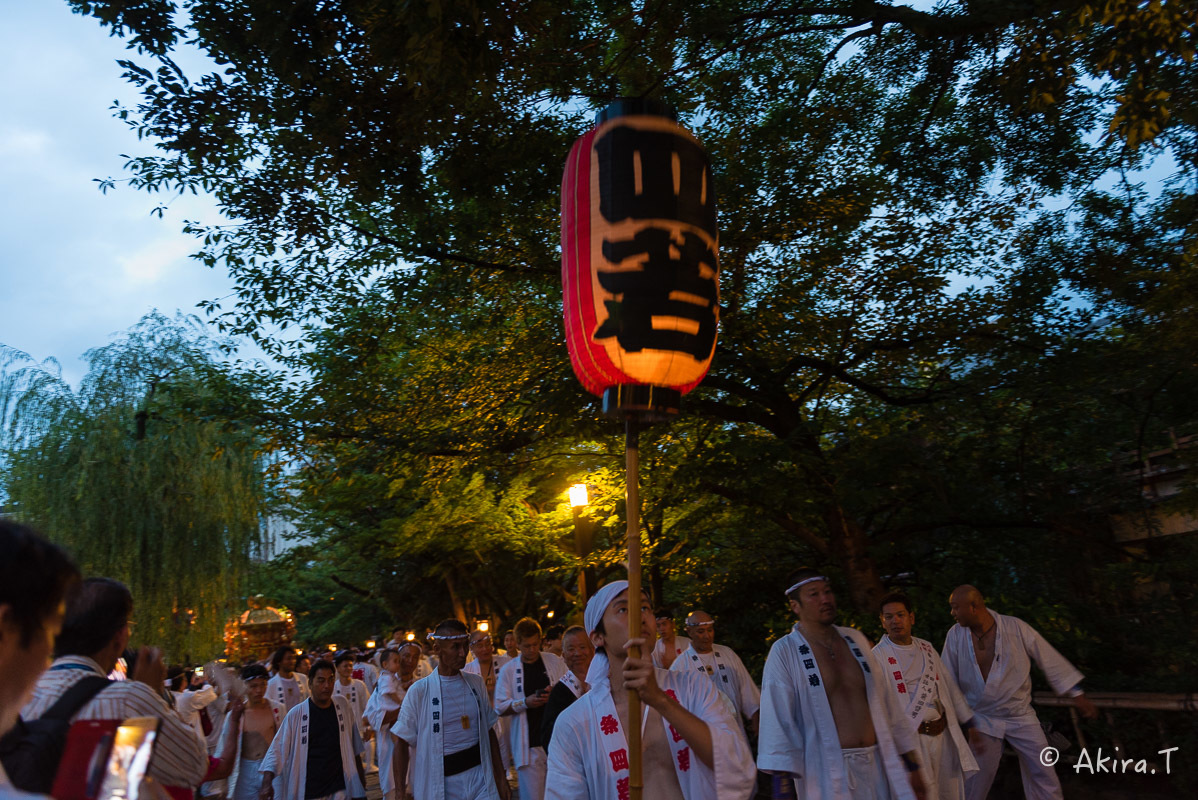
640	280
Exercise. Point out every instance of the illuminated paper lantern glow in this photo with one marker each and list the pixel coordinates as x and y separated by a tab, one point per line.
640	267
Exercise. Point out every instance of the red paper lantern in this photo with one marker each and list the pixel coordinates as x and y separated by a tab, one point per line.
640	267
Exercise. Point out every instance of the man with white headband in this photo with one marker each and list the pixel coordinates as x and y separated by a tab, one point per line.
828	719
721	665
692	746
447	719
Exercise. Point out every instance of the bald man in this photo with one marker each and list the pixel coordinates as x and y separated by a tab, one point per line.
721	665
989	656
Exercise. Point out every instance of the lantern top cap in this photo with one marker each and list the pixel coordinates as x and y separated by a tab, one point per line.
629	106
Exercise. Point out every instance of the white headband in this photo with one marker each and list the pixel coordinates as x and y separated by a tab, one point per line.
599	603
804	582
700	624
444	638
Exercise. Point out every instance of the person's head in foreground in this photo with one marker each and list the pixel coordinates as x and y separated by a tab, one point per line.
35	578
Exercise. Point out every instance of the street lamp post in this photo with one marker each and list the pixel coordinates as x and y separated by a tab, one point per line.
582	544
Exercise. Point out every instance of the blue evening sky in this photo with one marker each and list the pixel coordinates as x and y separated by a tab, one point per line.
77	266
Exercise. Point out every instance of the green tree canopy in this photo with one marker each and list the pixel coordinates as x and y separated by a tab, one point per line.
947	292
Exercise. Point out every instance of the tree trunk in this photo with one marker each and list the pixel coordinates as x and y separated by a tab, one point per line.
459	610
850	549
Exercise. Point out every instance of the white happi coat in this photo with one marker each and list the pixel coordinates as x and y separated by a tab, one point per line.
279	713
367	673
1004	699
475	667
503	726
798	734
357	694
419	725
935	683
278	693
588	760
659	649
510	688
287	756
729	676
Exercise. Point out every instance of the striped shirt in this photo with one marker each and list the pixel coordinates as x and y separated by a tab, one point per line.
180	757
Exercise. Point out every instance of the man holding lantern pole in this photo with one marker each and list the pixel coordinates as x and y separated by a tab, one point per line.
693	747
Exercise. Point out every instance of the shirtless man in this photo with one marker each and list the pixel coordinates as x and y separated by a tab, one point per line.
668	646
259	722
828	719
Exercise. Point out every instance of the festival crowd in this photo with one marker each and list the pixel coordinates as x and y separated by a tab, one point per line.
547	718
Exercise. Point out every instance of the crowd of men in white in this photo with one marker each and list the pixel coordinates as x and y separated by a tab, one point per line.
834	718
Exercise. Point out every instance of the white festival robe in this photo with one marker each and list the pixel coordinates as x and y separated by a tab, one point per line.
1004	699
357	694
377	707
367	673
287	756
278	693
510	688
588	760
659	649
934	683
798	733
419	725
279	713
729	676
503	726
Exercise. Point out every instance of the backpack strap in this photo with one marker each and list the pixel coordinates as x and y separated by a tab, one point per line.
76	697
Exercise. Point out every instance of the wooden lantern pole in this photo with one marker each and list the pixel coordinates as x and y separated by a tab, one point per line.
633	513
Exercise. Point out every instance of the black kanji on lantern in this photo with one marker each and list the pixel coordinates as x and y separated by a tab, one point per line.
656	177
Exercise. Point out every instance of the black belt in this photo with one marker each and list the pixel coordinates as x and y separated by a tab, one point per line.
463	760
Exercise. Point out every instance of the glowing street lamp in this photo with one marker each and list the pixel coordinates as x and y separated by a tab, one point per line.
578	502
482	625
370	644
411	636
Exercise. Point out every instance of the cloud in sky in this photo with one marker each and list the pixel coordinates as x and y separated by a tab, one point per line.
77	266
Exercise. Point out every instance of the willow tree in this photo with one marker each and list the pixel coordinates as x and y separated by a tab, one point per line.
144	473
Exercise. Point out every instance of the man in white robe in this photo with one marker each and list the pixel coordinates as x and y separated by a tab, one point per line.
828	719
990	655
668	647
356	693
288	687
382	709
520	695
487	664
366	672
692	746
448	721
929	699
721	665
190	700
289	766
254	728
